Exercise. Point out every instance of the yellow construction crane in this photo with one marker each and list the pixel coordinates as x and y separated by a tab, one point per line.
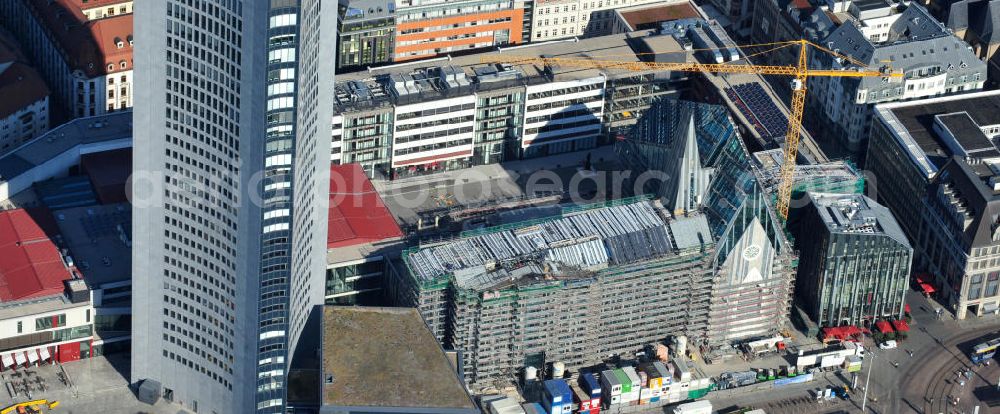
800	73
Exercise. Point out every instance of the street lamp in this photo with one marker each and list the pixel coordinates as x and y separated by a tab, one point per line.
864	399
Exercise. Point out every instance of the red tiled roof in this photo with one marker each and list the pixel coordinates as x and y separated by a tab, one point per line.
88	45
357	213
20	86
30	264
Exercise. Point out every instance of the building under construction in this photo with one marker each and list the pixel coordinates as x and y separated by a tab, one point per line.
578	287
753	265
840	177
581	284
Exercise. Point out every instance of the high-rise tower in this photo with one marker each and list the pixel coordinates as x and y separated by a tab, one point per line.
232	117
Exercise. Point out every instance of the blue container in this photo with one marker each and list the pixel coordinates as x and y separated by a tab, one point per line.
590	384
557	398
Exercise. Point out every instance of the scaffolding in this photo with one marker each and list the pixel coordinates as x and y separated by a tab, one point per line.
599	281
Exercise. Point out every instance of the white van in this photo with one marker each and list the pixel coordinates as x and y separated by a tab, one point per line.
890	344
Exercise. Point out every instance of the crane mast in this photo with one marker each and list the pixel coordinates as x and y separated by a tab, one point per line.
800	73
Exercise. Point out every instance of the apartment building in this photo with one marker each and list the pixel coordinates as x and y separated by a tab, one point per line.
940	158
423	117
86	60
854	265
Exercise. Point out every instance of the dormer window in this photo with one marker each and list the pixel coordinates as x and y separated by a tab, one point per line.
111	66
123	64
119	43
130	41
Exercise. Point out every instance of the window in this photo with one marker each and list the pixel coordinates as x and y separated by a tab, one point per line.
20	326
49	322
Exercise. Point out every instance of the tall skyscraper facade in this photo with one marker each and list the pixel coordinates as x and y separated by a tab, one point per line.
231	145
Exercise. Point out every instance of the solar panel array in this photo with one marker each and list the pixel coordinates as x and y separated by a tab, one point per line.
759	108
611	235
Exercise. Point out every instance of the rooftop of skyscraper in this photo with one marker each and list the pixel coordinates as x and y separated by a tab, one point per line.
386	359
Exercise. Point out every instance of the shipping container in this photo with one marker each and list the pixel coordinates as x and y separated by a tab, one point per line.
581	398
557	397
505	405
681	371
645	395
633	396
610	385
590	384
624	380
633	376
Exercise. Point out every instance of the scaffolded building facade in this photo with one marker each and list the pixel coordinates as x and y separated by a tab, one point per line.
582	286
753	265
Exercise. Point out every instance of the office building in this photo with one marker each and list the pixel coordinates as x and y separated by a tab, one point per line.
391	120
366	33
938	154
426	28
226	269
45	309
854	260
86	60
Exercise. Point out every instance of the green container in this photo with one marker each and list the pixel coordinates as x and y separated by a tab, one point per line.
624	380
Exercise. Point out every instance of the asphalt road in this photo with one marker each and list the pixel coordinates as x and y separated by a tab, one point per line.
899	383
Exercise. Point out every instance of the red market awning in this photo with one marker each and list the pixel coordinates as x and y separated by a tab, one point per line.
906	308
900	326
924	281
883	327
842	333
